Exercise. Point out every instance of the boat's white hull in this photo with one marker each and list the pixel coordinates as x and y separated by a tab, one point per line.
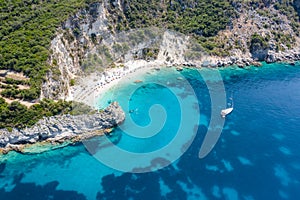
226	112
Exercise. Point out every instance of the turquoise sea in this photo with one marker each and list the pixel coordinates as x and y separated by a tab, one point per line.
256	157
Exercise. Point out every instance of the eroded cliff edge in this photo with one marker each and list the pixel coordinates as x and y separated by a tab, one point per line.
89	41
63	127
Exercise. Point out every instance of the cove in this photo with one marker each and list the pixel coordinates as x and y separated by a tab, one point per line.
256	157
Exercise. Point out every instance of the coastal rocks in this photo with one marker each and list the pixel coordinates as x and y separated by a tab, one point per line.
89	42
241	62
173	48
65	66
256	64
259	30
260	54
179	69
271	58
259	50
291	55
57	128
74	41
189	64
248	60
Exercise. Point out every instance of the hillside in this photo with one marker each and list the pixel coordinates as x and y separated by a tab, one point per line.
26	30
46	45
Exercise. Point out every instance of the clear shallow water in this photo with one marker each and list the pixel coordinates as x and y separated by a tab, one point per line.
257	156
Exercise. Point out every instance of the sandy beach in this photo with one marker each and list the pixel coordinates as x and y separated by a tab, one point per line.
90	88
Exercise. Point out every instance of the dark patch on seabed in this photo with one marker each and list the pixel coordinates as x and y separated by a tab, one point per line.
2	167
30	191
140	186
260	131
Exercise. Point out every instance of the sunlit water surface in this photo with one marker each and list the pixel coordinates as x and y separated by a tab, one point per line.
256	157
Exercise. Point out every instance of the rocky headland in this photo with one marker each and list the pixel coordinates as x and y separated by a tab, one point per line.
57	129
89	52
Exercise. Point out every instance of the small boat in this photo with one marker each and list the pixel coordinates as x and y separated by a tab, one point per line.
138	81
226	111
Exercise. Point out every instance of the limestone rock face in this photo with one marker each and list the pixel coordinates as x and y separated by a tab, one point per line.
73	42
66	125
259	53
89	41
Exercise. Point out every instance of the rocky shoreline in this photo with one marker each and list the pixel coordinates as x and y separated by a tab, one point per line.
61	128
241	62
71	129
271	57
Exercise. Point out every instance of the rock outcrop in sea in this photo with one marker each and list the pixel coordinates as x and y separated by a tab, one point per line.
63	127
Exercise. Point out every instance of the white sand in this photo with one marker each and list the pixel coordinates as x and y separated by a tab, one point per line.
90	88
171	52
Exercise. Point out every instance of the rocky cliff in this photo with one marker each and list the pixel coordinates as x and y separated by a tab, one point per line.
90	41
64	127
75	41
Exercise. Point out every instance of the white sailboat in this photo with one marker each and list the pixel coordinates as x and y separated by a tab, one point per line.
227	111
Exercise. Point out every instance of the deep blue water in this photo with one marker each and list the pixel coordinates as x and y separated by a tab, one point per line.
256	157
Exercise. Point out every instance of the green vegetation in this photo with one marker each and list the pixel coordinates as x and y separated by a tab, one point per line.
287	8
13	81
203	18
148	54
26	29
18	94
200	19
28	26
258	42
290	8
92	62
19	116
72	82
283	39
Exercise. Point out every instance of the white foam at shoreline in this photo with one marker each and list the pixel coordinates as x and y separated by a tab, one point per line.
91	87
